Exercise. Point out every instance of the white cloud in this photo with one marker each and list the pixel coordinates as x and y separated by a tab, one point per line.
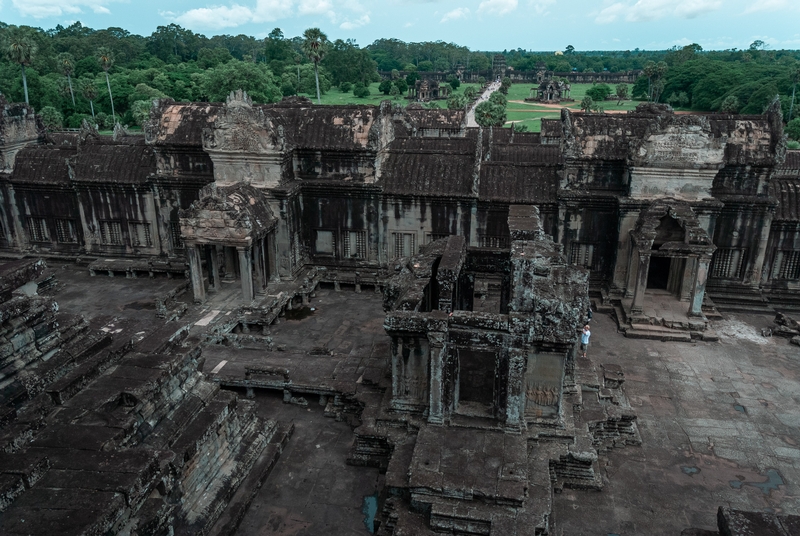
767	5
352	24
609	14
56	8
650	10
690	10
314	7
542	7
458	13
217	17
497	7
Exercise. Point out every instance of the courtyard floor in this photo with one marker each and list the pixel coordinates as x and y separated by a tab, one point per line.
719	427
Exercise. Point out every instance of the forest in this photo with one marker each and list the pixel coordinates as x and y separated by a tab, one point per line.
75	72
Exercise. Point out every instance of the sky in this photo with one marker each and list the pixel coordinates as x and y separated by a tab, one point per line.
541	25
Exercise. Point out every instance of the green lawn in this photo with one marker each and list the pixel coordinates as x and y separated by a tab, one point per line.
336	97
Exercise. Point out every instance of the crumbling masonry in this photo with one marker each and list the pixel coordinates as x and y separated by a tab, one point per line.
486	245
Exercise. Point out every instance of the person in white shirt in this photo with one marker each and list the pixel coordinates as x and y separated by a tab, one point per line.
585	339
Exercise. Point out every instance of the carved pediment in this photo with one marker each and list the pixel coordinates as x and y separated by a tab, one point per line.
685	142
241	128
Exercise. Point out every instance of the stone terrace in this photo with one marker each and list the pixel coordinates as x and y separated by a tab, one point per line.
719	427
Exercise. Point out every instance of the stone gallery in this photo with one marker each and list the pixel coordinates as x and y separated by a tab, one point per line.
150	285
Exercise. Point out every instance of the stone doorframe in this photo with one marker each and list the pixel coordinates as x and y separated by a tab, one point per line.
224	218
696	247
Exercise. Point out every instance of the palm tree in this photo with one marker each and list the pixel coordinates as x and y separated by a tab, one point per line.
315	45
106	59
21	49
66	63
89	91
794	77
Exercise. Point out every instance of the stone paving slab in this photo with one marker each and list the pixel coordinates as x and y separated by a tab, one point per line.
719	426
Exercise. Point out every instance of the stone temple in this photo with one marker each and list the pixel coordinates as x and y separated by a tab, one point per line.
421	283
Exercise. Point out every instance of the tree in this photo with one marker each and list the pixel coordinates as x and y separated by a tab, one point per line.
254	78
793	129
569	50
587	103
51	118
141	111
599	92
361	91
21	49
622	93
470	92
66	62
794	78
106	59
489	114
730	105
89	91
498	98
519	127
401	85
505	85
456	101
315	45
454	82
394	92
385	87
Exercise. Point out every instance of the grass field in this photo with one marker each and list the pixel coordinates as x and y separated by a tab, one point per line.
334	96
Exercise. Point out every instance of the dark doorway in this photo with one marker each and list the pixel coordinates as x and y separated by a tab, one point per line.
658	275
476	378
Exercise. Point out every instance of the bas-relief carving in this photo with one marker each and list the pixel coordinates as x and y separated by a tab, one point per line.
244	145
686	145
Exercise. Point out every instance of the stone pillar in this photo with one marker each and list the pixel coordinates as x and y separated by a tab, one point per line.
196	273
230	262
687	285
515	391
262	261
272	257
259	279
753	277
699	291
626	251
246	273
438	347
213	267
641	282
630	283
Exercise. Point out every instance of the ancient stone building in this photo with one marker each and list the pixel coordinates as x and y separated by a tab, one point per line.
427	90
485	243
648	201
550	91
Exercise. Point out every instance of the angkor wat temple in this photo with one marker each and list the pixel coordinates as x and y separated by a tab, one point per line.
486	243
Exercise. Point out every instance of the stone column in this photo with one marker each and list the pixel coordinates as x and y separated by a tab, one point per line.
246	273
753	277
212	279
272	257
196	273
259	279
626	250
515	391
699	290
687	285
438	347
641	282
214	268
630	283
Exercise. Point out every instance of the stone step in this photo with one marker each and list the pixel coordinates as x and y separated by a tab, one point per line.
228	523
657	333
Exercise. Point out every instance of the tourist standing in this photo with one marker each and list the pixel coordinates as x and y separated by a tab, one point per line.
585	339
